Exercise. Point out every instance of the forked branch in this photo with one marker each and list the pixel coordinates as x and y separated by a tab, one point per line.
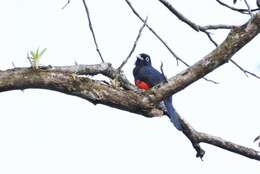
178	59
204	29
69	80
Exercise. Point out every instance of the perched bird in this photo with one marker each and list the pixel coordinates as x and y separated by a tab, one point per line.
146	77
258	3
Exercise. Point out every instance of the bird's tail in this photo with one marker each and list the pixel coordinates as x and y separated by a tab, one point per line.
172	113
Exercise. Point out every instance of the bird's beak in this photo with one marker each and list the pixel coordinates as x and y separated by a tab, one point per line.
139	57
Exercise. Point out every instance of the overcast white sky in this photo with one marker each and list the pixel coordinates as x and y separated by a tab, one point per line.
43	131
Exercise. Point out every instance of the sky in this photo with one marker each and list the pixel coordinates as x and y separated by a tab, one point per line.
43	131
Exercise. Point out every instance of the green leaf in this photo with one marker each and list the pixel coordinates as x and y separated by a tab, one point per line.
32	54
42	52
37	54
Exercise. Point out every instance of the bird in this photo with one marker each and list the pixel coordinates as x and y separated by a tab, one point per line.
258	3
146	76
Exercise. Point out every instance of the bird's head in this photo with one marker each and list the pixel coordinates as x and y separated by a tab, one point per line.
143	60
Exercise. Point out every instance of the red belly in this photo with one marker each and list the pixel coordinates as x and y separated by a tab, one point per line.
142	85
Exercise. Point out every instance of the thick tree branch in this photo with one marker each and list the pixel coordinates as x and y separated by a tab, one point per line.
236	39
66	80
63	79
198	137
105	69
227	145
204	29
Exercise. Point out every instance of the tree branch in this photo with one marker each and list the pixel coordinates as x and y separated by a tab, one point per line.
244	70
92	31
236	39
227	145
205	28
216	27
193	25
162	41
65	79
243	11
134	46
249	8
65	5
105	69
155	34
198	137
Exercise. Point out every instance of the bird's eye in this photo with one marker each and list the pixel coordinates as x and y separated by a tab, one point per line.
147	59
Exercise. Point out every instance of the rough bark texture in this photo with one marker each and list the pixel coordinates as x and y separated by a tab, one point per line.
71	80
199	137
64	80
236	39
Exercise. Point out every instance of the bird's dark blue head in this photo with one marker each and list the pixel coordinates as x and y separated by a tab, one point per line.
143	60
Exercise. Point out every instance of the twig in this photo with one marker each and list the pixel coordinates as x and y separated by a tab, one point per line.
180	16
204	29
244	71
256	140
249	8
243	11
134	46
29	59
161	67
13	64
92	31
193	25
236	64
210	38
66	4
163	42
156	35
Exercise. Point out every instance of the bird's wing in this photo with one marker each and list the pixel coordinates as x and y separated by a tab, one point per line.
149	75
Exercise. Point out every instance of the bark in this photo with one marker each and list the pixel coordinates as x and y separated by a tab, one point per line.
72	80
63	79
236	39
